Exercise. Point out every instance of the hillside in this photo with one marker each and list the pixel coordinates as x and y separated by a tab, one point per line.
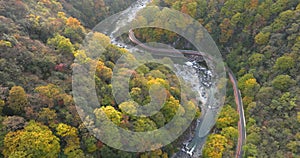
39	40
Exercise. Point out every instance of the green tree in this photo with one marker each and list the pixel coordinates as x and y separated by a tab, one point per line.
265	95
283	82
251	150
284	63
35	140
256	59
159	119
293	146
128	108
97	43
17	99
231	134
253	138
90	143
156	74
286	102
144	124
61	44
114	153
47	115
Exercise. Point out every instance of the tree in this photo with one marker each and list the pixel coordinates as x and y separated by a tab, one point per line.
262	38
155	153
159	119
278	6
265	95
70	135
189	8
284	63
61	44
17	99
35	140
47	116
13	123
144	125
80	56
226	30
248	85
4	43
97	43
103	72
157	81
214	146
170	108
287	102
156	74
110	112
48	94
74	30
230	133
283	82
256	59
90	143
143	69
128	108
293	146
2	103
106	128
114	153
253	138
227	117
250	150
136	95
251	87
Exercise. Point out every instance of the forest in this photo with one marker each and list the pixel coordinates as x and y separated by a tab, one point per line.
39	40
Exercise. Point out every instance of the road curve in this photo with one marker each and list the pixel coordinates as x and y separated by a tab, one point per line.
237	94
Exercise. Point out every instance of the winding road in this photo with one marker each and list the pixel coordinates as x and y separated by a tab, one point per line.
240	109
241	124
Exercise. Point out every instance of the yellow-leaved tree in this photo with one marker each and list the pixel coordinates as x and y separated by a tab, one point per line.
70	135
214	146
35	140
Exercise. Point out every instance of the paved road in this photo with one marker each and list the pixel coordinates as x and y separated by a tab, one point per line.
242	122
237	94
